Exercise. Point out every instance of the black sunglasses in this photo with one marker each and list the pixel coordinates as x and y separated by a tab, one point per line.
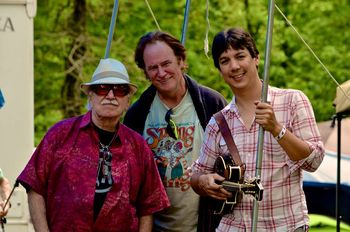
118	90
171	128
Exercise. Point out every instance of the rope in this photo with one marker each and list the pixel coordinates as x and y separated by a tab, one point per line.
154	18
206	40
312	52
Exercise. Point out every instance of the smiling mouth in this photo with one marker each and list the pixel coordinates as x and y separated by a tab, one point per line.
237	76
164	79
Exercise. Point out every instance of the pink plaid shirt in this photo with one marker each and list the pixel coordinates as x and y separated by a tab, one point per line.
283	207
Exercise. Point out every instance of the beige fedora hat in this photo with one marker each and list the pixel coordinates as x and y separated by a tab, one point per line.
109	71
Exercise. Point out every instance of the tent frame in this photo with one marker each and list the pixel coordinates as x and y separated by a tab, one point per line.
338	117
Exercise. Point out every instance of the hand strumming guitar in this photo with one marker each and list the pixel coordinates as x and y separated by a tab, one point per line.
207	185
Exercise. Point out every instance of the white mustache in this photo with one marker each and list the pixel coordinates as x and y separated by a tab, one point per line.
113	102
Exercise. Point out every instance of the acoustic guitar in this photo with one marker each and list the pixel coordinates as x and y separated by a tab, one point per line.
234	183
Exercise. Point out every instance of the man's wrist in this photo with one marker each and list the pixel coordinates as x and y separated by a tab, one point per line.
281	133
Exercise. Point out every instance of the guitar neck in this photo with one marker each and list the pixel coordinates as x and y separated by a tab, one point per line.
231	186
255	188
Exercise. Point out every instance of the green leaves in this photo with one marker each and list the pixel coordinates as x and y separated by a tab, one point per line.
324	24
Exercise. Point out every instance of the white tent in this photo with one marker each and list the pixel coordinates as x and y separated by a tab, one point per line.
342	100
321	186
327	172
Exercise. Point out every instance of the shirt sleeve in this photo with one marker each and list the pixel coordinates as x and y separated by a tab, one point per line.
35	173
152	196
304	127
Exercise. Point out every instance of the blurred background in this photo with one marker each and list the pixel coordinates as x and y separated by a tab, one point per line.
48	48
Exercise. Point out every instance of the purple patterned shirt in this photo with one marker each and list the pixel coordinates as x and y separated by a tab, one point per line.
63	170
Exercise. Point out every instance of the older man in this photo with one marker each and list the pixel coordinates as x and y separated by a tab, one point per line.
171	115
92	173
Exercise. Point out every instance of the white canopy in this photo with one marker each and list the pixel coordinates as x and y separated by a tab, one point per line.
342	101
327	172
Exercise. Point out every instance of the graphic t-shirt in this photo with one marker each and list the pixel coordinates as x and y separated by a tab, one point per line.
174	158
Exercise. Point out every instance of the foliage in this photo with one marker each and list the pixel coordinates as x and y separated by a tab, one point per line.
322	23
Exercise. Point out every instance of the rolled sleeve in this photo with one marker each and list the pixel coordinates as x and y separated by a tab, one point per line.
304	126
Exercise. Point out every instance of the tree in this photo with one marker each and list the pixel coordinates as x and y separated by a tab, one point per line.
71	101
71	35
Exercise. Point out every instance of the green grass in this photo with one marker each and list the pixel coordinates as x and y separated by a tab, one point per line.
320	223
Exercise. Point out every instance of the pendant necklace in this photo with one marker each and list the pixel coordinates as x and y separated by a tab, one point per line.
105	148
105	162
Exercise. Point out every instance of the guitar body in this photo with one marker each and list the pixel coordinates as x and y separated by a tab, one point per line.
225	167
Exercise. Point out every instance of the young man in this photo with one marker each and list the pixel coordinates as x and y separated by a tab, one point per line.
292	142
171	115
92	173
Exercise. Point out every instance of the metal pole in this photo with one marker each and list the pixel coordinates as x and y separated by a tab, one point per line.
337	187
111	29
185	23
269	30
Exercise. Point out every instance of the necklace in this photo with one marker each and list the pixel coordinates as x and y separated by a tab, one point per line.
106	147
104	179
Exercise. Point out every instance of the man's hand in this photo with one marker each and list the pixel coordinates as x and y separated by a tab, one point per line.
209	184
5	190
265	116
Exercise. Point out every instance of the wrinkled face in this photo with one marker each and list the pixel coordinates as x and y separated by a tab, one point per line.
238	68
163	68
108	101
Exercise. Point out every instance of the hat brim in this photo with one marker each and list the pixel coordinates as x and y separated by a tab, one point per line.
108	81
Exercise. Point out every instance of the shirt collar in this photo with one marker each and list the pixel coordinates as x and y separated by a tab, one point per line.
86	120
233	106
